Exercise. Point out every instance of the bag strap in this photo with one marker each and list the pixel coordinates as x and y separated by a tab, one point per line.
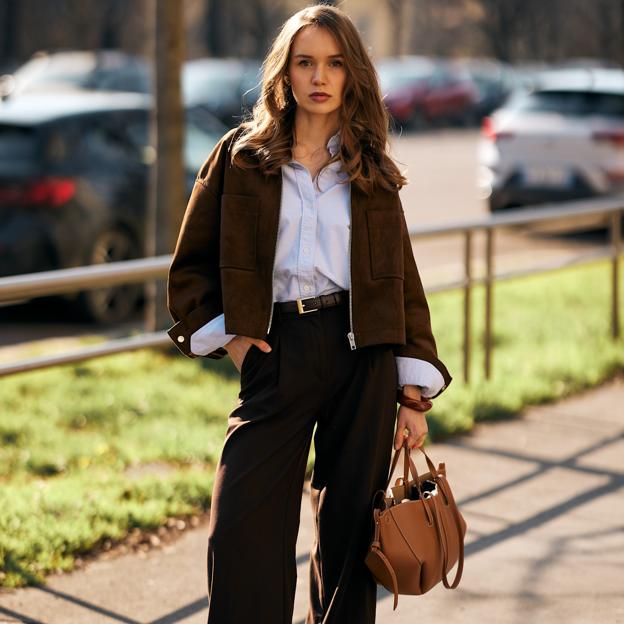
442	484
376	546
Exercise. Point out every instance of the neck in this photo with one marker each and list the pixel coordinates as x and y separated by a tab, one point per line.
313	131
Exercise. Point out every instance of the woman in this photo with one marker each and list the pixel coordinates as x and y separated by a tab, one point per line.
294	259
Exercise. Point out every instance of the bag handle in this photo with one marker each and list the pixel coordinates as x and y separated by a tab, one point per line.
409	464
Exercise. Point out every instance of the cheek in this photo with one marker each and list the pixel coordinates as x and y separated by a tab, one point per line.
342	81
298	80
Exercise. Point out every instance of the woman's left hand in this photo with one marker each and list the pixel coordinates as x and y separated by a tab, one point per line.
415	421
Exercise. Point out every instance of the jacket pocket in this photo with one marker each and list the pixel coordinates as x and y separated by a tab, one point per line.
385	243
239	226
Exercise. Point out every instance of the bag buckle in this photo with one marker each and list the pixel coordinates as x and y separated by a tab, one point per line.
300	305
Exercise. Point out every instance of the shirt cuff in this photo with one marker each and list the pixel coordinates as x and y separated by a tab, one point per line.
416	372
210	336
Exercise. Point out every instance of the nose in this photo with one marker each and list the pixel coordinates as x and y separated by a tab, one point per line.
319	75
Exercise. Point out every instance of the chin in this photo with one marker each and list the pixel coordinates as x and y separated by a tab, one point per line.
324	108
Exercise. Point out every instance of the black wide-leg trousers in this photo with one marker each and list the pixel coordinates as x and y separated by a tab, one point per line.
311	376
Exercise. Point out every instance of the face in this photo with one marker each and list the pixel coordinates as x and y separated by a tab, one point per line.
316	66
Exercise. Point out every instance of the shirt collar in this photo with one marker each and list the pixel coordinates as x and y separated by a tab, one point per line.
333	144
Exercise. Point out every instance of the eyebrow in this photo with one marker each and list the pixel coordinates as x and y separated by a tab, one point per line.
308	56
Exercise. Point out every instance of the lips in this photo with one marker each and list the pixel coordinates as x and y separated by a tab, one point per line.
319	93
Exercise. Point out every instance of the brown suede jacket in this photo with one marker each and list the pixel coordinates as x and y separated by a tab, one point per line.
224	258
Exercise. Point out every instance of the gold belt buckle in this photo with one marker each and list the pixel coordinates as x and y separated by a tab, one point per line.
300	306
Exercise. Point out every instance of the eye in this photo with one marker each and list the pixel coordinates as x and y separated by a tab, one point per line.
303	61
339	63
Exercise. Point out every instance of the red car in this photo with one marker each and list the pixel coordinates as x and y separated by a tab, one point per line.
420	91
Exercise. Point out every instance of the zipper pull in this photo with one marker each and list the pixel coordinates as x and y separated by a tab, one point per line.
351	338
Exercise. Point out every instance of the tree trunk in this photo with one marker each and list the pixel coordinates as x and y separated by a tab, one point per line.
166	188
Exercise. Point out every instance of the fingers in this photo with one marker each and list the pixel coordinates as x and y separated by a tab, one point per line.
413	440
261	344
416	423
419	441
240	345
398	438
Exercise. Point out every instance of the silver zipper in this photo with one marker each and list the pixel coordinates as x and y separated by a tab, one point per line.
350	335
279	212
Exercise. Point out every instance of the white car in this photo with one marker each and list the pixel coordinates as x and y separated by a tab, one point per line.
563	139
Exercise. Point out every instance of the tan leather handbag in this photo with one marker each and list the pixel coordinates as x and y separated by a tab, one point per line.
419	531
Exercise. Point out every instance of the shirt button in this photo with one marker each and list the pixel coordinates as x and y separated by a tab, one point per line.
180	338
306	288
306	250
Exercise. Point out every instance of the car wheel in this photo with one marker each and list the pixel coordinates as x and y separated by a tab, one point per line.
114	303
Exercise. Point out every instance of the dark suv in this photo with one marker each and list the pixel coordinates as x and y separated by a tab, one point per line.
73	184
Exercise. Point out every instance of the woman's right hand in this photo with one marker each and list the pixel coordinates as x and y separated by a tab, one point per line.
239	345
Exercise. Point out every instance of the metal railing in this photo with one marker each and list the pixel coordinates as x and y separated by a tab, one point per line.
23	287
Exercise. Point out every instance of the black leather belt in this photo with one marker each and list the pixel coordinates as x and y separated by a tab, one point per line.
311	304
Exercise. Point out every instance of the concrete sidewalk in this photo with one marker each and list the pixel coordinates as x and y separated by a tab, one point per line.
542	497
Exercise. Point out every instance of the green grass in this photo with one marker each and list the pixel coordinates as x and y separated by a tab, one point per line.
68	434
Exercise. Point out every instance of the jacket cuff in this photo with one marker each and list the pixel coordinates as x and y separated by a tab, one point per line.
183	329
417	372
406	351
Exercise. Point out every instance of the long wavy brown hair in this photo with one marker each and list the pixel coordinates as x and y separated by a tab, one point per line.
268	135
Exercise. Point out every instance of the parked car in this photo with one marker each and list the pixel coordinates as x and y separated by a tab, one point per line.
109	70
563	139
226	87
494	81
419	91
74	185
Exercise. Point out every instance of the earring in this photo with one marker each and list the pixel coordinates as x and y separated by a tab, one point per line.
287	80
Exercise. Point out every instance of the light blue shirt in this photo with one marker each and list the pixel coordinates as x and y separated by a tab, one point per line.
312	256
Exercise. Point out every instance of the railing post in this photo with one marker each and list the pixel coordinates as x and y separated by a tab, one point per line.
467	300
487	337
616	241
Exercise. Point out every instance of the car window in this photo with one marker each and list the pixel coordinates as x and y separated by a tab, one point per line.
572	103
136	126
126	135
109	137
19	150
211	85
128	78
202	132
200	137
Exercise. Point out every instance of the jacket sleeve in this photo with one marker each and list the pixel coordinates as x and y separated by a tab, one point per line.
194	281
420	342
